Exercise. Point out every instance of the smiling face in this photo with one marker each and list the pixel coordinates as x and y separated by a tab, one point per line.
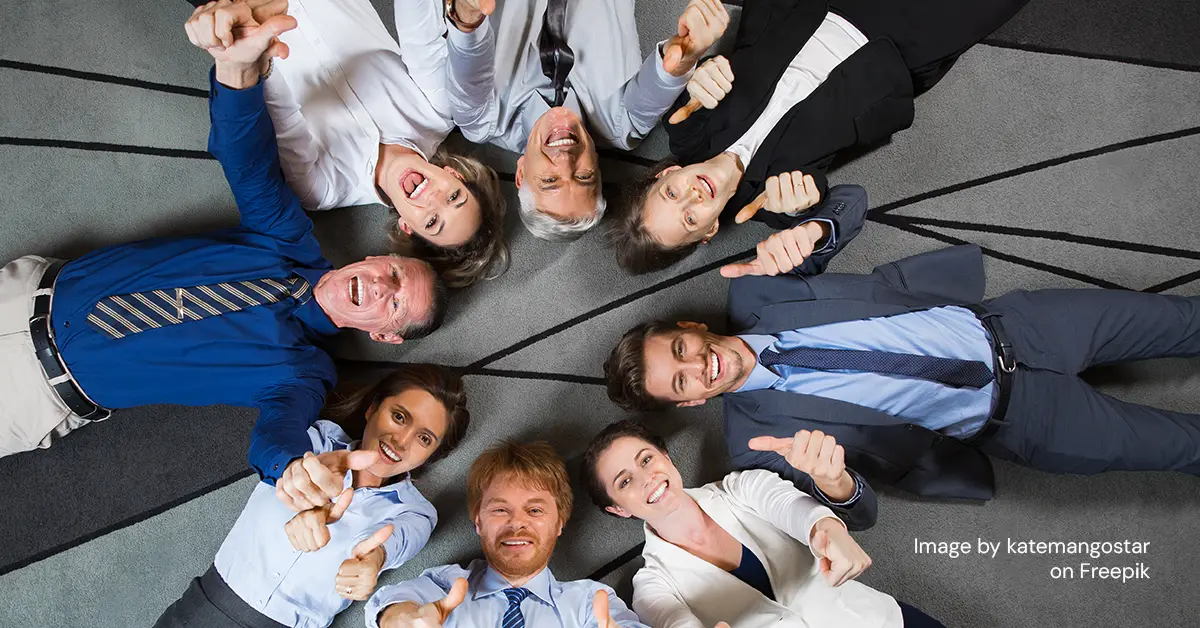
689	365
560	166
405	429
378	295
518	526
432	201
641	481
685	204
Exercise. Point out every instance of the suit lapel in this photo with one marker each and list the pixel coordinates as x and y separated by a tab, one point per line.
770	402
777	317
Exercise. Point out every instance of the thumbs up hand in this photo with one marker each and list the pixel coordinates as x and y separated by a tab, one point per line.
700	26
309	531
358	574
314	480
710	84
410	615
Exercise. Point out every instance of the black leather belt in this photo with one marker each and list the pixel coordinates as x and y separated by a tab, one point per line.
1003	368
47	353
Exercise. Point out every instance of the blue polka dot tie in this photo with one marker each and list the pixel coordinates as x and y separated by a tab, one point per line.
948	371
513	617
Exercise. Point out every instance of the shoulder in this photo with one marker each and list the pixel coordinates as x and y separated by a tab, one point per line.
328	436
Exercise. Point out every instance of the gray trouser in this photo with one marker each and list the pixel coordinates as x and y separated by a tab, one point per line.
209	603
31	414
1057	421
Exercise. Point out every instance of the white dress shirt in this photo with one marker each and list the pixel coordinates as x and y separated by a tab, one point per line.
347	87
296	588
835	40
496	84
774	520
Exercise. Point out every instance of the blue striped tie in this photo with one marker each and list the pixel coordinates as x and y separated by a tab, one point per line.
125	314
513	617
948	371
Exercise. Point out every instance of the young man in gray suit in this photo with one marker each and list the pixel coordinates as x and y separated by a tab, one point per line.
917	376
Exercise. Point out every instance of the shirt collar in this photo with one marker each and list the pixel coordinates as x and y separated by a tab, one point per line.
402	486
540	586
311	313
760	376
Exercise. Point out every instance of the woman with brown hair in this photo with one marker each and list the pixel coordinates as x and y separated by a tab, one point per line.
278	568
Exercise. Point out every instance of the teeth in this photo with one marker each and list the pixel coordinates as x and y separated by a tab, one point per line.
708	187
657	495
417	190
716	366
389	452
563	142
358	291
514	543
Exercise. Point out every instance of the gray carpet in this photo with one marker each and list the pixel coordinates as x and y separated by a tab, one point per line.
1067	147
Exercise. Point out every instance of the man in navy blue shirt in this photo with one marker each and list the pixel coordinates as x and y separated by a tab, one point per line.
234	316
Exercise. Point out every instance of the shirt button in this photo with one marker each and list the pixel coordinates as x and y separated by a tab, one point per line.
908	426
276	575
67	324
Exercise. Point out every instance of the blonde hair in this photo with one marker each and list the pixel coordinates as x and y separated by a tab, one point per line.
536	465
485	254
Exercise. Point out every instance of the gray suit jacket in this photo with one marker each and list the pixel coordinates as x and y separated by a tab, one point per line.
878	445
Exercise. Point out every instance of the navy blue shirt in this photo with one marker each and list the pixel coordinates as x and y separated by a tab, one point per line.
752	572
264	356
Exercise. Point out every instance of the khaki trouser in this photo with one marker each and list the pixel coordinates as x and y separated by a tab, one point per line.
31	414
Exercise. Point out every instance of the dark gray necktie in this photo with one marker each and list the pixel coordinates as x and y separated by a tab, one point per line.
948	371
557	57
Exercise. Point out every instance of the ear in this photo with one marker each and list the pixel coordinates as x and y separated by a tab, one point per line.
662	173
708	235
454	172
688	404
618	511
372	409
692	325
519	175
390	337
478	533
404	226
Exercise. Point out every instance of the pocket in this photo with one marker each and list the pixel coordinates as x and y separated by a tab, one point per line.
887	116
29	409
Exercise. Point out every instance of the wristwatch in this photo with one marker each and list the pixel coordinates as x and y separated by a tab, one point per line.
453	17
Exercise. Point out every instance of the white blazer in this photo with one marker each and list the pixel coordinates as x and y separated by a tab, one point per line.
774	520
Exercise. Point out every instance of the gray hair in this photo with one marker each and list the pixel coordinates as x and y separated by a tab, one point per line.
547	227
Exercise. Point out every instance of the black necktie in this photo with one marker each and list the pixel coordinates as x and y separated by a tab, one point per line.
948	371
556	55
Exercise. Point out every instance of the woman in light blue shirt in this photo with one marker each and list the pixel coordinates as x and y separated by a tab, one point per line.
278	568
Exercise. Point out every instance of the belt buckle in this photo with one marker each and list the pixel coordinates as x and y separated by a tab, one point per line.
1004	354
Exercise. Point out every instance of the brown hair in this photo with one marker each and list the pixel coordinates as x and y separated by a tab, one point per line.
637	250
625	369
596	487
536	465
485	254
349	409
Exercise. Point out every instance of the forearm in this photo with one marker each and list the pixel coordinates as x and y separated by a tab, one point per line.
471	84
645	98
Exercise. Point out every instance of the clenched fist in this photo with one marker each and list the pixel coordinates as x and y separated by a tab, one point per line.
841	557
710	84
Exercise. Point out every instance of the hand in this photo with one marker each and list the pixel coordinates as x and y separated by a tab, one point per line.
313	481
308	531
358	574
781	252
841	557
467	15
814	453
708	86
241	33
600	611
409	615
700	26
786	193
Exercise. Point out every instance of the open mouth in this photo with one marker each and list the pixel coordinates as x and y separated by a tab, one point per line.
413	183
714	368
516	543
389	453
561	138
658	492
355	290
707	185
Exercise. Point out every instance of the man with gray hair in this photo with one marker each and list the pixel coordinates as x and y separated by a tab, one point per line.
525	74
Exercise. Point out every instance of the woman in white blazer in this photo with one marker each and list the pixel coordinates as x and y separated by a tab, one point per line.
750	550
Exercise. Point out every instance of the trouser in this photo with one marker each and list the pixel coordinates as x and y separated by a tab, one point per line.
209	603
1057	422
930	34
31	413
916	618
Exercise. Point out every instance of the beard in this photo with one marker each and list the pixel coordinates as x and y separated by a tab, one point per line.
516	567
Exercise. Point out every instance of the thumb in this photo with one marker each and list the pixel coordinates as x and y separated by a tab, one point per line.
340	505
733	271
275	26
748	211
820	543
458	593
770	443
600	608
359	460
721	624
487	7
278	49
684	112
373	542
672	55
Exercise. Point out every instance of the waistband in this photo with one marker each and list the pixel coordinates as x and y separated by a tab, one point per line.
53	366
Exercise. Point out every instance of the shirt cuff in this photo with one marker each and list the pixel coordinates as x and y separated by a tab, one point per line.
831	241
471	41
858	490
665	78
234	103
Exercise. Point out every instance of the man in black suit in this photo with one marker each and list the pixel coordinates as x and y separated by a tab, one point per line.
813	78
916	376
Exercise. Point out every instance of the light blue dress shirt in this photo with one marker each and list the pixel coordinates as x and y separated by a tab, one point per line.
945	332
551	603
296	588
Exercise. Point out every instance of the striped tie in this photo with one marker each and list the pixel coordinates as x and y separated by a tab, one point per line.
513	617
124	314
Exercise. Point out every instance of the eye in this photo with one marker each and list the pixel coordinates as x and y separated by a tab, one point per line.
499	511
679	350
455	195
395	305
670	194
395	274
399	417
645	461
432	221
426	440
681	382
690	218
623	483
536	511
550	180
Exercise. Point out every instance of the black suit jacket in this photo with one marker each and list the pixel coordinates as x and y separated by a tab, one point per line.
881	447
866	98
